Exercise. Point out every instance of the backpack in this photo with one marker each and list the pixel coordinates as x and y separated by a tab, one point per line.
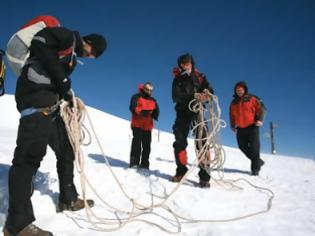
262	106
2	72
18	46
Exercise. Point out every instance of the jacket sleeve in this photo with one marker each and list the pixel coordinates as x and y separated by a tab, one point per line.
2	91
156	112
180	93
133	107
206	84
260	110
45	46
232	118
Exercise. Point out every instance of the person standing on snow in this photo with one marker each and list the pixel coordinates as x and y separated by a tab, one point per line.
144	109
188	84
246	116
43	83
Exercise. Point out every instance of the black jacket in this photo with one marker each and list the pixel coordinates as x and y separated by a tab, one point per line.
185	86
45	76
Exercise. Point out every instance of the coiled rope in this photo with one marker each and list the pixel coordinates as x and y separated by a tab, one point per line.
74	118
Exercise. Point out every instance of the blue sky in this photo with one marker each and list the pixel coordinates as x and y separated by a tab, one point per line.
269	44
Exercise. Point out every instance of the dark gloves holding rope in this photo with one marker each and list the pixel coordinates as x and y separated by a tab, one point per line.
69	98
64	87
203	96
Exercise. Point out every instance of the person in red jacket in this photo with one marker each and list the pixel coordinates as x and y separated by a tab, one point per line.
246	116
144	109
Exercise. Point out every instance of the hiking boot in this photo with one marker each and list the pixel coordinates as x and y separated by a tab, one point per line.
74	206
177	178
255	172
30	230
204	184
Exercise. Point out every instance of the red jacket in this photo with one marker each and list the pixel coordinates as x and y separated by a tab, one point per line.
245	111
144	109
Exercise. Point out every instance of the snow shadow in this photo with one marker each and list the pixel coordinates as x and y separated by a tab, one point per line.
230	170
4	197
122	164
41	183
112	161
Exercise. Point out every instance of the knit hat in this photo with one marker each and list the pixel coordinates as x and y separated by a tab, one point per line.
98	43
185	59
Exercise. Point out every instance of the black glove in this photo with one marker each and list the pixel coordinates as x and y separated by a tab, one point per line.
69	98
145	113
2	91
154	115
64	87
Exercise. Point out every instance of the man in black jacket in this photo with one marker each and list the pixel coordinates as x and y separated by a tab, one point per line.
187	85
44	81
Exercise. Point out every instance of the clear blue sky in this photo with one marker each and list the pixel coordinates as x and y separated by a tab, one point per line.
269	44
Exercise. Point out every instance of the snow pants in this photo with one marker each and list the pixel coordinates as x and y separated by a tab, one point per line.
35	132
181	130
248	142
140	148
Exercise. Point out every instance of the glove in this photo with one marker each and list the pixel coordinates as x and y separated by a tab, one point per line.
154	115
145	113
69	98
202	97
64	87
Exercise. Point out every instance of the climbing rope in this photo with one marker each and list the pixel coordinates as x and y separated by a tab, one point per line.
74	118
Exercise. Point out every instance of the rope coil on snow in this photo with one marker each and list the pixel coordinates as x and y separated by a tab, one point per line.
73	119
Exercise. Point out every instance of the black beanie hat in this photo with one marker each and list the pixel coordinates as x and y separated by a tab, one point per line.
184	59
98	43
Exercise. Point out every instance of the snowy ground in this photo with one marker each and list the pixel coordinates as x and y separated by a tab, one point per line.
292	181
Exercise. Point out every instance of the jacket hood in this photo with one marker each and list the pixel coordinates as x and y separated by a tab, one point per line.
240	84
140	88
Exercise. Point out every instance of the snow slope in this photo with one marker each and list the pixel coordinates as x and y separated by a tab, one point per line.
292	181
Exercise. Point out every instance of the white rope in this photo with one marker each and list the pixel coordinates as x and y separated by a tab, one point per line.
74	117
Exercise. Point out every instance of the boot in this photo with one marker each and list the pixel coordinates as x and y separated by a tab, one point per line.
30	230
74	206
255	172
177	178
204	184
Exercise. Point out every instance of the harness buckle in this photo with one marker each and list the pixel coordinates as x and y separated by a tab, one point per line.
46	111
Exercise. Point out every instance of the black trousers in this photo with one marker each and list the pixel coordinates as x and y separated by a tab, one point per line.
248	142
181	130
35	132
140	148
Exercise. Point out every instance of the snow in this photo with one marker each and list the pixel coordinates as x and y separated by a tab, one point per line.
291	179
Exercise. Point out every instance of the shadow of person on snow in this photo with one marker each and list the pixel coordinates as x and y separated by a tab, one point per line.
41	183
98	158
122	164
229	170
